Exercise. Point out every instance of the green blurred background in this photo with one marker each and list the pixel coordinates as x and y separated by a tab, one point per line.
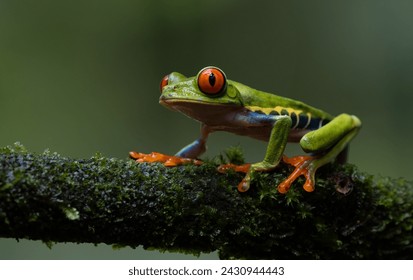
78	77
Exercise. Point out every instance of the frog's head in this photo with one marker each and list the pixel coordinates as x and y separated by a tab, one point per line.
205	96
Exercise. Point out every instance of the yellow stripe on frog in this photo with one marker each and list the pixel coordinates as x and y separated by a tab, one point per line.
278	109
299	114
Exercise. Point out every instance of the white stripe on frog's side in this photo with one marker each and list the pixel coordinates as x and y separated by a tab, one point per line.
308	121
320	123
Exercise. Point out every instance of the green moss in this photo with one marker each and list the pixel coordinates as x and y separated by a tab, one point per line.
195	209
71	213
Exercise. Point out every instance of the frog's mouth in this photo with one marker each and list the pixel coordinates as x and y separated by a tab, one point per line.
205	112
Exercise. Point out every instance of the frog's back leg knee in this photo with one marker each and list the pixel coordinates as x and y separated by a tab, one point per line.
342	126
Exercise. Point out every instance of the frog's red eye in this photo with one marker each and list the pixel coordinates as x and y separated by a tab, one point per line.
164	82
211	81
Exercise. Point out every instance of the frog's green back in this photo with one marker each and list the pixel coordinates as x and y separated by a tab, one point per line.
268	102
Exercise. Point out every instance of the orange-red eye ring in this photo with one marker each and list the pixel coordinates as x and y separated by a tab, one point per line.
212	81
164	82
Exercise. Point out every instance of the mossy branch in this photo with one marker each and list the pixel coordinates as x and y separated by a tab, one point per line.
195	209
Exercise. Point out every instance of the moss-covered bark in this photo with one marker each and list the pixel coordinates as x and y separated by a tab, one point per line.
195	209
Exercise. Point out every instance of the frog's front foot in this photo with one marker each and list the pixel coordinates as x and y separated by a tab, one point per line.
304	165
167	160
249	170
244	168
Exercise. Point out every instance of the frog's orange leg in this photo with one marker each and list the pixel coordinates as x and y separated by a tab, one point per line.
167	160
303	167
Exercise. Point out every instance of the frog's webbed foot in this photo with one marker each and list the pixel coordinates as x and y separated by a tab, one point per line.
167	160
304	165
223	168
243	168
249	170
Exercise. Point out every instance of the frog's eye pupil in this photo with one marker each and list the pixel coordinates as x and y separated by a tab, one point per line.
212	81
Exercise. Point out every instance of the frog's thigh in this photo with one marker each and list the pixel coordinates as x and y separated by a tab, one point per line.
328	135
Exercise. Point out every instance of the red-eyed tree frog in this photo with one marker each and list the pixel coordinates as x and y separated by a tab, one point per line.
220	104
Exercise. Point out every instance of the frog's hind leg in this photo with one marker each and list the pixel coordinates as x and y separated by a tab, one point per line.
344	127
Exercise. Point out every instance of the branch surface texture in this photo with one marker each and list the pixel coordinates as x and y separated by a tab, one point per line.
195	209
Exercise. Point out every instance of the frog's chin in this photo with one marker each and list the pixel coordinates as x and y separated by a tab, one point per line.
205	112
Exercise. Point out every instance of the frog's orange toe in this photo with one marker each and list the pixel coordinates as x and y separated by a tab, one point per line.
244	168
308	186
284	186
167	160
301	164
134	155
244	185
170	163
